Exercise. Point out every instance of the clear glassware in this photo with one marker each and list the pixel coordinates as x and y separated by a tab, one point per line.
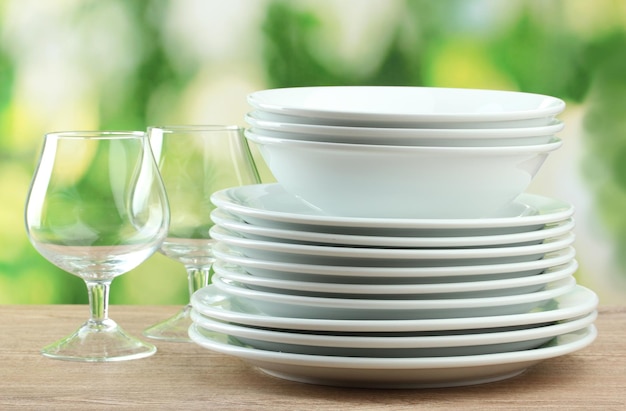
97	208
195	161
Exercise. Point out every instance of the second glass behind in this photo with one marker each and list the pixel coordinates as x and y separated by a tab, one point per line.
195	162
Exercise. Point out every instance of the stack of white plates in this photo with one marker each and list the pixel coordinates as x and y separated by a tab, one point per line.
443	294
414	302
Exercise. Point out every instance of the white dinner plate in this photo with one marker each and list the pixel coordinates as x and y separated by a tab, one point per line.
269	205
386	257
400	345
362	274
235	224
287	305
210	301
406	106
390	290
374	372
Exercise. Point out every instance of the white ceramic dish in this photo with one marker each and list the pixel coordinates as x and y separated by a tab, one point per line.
361	274
213	303
406	136
359	180
406	106
235	224
269	205
482	125
287	305
397	346
420	372
471	289
386	257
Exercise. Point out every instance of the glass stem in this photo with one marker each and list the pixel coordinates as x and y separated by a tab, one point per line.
198	277
98	300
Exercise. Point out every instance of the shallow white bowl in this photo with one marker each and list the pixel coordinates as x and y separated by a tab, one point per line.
287	305
406	136
406	106
392	290
358	180
367	274
269	205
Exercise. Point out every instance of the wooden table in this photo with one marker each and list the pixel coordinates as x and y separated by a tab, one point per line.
182	376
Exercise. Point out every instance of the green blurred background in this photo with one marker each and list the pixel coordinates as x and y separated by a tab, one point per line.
119	64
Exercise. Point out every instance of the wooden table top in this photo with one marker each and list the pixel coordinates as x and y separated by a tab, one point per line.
182	376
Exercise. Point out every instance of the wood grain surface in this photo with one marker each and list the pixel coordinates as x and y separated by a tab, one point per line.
184	376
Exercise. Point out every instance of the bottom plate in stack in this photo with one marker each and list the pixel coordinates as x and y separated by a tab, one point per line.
410	353
373	372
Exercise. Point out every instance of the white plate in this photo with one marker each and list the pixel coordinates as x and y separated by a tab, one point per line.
404	106
431	125
269	205
376	372
363	274
403	345
233	223
406	136
385	257
287	305
213	303
402	135
471	289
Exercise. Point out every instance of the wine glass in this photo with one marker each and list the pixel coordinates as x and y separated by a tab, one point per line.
195	161
97	208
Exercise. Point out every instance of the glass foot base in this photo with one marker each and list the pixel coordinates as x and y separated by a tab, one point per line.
99	341
174	329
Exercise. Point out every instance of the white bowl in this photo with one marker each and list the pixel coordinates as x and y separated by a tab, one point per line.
358	180
405	136
406	106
